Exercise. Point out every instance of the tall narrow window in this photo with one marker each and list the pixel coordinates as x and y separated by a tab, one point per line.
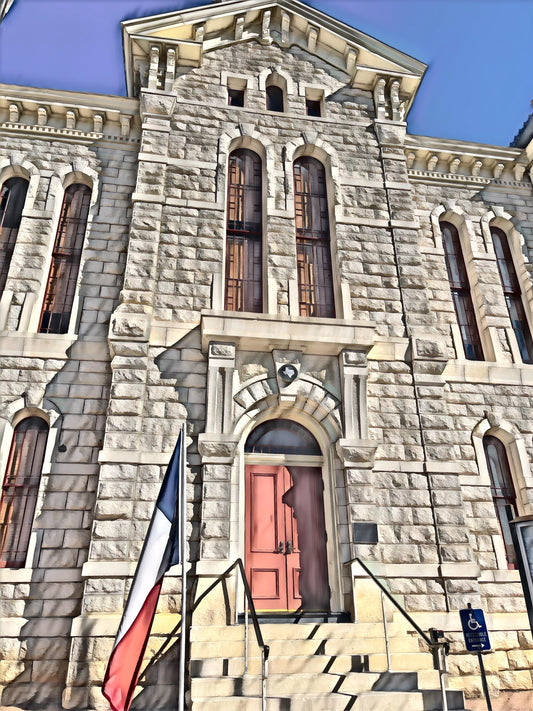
513	294
244	233
315	279
460	287
12	198
274	96
61	285
503	492
20	489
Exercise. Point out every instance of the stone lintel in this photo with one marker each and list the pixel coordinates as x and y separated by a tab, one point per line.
266	332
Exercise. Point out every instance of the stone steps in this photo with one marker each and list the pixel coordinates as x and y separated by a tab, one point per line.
318	666
300	647
358	630
313	683
367	701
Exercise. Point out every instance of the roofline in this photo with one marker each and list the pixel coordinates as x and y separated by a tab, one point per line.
452	145
38	94
343	30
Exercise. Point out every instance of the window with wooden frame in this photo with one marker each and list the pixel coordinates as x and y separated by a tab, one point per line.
460	288
12	198
502	490
244	233
66	257
313	249
20	490
513	294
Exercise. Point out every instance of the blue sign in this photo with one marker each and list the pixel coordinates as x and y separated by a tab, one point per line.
475	630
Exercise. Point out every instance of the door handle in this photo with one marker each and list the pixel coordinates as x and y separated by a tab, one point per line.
281	548
288	548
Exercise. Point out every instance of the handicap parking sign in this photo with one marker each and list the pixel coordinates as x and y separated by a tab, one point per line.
475	630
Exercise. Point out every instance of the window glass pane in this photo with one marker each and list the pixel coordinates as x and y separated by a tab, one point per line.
312	107
460	288
244	233
235	97
20	489
12	198
513	294
274	96
282	437
313	251
502	489
61	285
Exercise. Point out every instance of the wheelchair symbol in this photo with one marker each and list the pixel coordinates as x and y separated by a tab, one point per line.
472	623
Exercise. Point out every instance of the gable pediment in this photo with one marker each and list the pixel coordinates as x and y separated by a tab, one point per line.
182	38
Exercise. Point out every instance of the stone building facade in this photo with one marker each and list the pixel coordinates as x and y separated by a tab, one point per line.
385	385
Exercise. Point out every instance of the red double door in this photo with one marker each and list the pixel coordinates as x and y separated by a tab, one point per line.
285	557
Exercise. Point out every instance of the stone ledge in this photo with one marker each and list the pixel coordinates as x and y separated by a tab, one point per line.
121	569
415	570
107	625
132	456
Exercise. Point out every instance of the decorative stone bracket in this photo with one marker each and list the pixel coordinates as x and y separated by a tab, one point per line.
217	448
357	453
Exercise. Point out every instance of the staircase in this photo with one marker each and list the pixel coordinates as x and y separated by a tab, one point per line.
315	667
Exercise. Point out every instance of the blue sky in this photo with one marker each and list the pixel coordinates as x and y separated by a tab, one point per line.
480	53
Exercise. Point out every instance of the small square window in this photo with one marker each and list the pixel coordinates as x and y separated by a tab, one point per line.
235	97
313	107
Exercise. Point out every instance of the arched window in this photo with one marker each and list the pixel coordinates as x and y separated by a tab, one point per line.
513	294
315	278
20	489
61	285
12	198
244	233
274	98
503	492
460	287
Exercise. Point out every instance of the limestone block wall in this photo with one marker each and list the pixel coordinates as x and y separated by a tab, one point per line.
63	378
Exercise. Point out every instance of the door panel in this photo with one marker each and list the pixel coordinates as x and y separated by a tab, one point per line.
285	506
265	529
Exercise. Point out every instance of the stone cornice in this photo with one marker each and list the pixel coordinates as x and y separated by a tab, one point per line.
450	161
69	116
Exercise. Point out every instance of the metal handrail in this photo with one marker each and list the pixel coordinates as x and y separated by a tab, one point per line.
395	602
437	648
265	649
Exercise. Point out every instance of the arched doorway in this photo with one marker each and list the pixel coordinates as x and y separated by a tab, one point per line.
285	540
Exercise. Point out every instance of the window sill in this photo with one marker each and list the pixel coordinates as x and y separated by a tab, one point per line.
488	372
16	575
264	332
36	345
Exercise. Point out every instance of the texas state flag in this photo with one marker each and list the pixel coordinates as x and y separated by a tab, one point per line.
161	550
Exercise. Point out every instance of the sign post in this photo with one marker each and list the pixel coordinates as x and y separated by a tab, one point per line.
477	640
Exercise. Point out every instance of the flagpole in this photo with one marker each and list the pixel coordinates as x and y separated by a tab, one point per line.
183	540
